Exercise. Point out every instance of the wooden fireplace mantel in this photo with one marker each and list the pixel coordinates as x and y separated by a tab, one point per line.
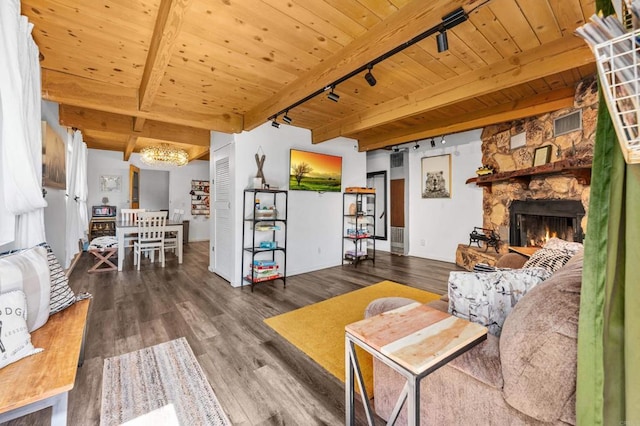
580	168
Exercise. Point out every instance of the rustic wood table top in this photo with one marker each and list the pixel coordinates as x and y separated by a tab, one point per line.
416	336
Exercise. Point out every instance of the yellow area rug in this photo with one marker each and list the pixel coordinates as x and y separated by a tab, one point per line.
318	329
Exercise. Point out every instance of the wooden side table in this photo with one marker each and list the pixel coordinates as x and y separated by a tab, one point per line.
414	340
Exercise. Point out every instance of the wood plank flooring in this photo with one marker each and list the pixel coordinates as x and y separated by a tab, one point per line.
259	378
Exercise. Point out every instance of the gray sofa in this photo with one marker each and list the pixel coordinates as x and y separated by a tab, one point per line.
525	377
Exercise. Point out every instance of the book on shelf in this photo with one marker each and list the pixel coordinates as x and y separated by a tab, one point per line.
257	262
264	268
260	279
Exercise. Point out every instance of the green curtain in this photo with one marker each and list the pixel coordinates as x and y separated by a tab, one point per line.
608	386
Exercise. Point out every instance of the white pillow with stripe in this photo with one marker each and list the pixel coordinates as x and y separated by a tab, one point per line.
15	340
28	271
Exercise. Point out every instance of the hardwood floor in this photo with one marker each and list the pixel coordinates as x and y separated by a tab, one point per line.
259	378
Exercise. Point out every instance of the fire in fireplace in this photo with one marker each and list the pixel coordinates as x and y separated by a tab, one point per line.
533	222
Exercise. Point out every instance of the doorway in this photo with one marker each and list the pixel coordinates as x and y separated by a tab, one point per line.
378	180
397	216
134	187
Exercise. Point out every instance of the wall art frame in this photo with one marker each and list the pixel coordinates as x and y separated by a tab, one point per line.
54	153
436	176
110	183
542	155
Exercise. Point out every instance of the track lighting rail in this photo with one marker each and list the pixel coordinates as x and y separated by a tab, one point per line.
449	21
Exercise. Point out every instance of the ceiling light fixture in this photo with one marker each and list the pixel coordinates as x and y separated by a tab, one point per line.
369	76
275	124
443	141
432	143
416	146
449	21
286	118
164	155
332	95
396	149
442	42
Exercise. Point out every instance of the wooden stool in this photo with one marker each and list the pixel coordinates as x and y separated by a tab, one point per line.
104	249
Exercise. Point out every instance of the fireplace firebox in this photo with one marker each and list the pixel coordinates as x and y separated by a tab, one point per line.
533	222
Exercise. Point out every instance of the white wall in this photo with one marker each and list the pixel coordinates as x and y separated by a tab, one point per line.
378	161
443	223
103	162
154	190
314	223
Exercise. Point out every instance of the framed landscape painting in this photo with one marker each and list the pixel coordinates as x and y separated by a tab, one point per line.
436	176
312	171
53	159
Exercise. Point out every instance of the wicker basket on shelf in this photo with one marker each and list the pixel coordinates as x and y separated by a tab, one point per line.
618	62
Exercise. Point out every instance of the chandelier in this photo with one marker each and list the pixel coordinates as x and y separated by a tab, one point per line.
164	155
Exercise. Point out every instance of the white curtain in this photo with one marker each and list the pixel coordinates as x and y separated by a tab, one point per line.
21	130
77	220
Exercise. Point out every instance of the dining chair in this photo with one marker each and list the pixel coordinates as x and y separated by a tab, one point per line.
171	238
150	236
129	216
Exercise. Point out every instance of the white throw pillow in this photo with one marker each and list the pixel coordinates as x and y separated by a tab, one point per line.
15	340
28	271
487	297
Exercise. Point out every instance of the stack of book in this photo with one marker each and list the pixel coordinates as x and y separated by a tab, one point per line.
263	270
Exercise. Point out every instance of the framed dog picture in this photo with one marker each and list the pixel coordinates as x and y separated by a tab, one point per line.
436	176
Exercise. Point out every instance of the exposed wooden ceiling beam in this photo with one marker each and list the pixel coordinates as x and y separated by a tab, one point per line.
84	118
534	105
548	59
411	20
131	144
138	124
83	92
197	152
168	23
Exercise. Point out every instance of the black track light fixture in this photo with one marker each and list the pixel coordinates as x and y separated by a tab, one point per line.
442	42
432	143
442	141
286	118
275	124
369	76
416	146
333	95
396	149
448	22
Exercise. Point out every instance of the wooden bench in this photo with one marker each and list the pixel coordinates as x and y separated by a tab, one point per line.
45	379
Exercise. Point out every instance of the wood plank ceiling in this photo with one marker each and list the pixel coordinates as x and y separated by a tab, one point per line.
130	73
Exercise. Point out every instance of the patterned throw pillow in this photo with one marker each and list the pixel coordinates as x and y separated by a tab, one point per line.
61	296
487	297
558	244
15	340
28	271
549	259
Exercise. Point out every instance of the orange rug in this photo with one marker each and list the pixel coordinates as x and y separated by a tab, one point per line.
318	329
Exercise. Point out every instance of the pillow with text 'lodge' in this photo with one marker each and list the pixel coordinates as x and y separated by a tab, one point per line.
15	340
28	271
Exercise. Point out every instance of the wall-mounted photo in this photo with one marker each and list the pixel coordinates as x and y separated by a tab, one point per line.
312	171
110	183
53	159
436	176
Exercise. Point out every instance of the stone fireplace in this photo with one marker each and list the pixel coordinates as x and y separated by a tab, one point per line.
548	191
533	222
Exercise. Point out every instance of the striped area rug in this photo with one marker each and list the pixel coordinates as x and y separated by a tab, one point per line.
162	382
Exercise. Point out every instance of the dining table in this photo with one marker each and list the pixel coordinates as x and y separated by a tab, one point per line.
129	227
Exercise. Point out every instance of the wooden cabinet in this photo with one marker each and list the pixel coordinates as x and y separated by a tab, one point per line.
264	236
102	226
359	227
